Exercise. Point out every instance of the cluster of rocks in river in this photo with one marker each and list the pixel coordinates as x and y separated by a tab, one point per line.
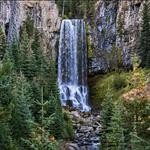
87	129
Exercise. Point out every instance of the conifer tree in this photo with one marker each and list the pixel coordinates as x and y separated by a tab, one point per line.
29	23
37	53
6	141
54	98
21	114
26	58
2	44
115	135
13	54
106	115
148	60
42	128
144	46
5	83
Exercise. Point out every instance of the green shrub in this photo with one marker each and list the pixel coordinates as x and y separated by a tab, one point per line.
99	84
119	82
68	132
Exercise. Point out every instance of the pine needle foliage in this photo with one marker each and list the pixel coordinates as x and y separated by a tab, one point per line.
144	43
106	115
21	114
2	43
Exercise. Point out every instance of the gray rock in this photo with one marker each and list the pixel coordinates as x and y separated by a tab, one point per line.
98	65
85	129
72	146
44	14
116	24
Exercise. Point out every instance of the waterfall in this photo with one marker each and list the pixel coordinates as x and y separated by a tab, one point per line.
72	64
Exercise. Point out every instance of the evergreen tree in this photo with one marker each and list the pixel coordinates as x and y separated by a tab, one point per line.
5	83
37	54
21	114
144	47
75	9
13	54
42	129
148	60
6	140
115	135
106	115
26	58
29	23
57	126
2	43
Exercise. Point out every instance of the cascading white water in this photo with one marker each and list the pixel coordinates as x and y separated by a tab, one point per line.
72	64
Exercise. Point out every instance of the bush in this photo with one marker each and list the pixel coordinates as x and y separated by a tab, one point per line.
119	82
68	132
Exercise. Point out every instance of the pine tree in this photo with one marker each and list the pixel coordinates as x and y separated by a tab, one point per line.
6	140
37	53
115	135
2	43
148	60
13	54
42	129
57	126
106	115
144	47
21	114
29	23
26	58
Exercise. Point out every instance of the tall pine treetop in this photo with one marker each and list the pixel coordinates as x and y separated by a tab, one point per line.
144	45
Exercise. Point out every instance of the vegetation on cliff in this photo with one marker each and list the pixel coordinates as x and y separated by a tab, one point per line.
75	9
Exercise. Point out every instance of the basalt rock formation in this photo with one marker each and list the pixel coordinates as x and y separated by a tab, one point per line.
44	14
114	24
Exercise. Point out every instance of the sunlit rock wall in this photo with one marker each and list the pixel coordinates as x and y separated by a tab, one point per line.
44	14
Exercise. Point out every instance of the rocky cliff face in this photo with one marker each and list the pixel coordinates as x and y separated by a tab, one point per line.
115	24
44	14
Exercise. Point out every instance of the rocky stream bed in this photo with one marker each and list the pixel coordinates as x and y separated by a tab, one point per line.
87	129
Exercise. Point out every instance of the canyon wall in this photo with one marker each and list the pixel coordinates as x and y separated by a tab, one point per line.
115	24
45	17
